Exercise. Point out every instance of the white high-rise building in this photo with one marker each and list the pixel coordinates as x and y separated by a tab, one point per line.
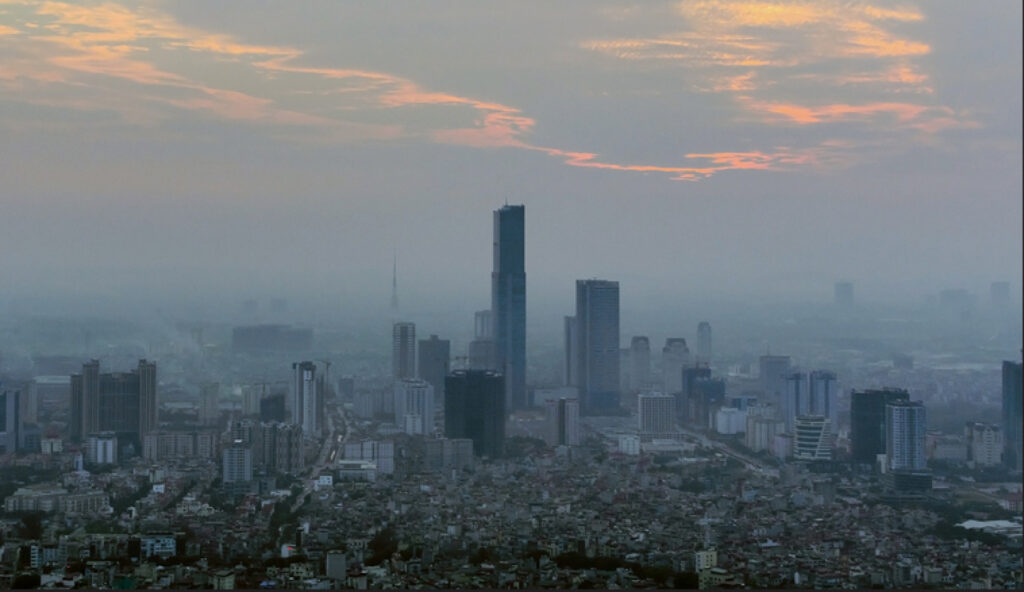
656	416
984	444
414	406
905	436
563	418
812	438
102	448
674	357
403	351
307	400
822	395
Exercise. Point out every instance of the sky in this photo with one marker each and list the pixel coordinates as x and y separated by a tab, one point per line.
691	150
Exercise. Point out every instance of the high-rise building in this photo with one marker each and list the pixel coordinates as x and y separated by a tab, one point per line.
675	356
434	364
867	421
597	345
794	400
773	373
508	301
563	416
208	400
812	438
101	448
570	372
984	444
306	404
822	395
704	342
403	350
905	431
1013	401
10	420
236	469
656	416
844	294
481	349
475	409
120	402
414	406
640	363
273	408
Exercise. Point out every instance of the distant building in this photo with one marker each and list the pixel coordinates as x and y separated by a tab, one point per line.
124	403
236	473
822	395
414	406
273	408
639	363
867	422
562	425
307	404
905	433
381	454
844	294
271	339
481	349
276	447
443	453
10	420
656	416
773	373
508	302
102	448
704	342
433	364
812	438
403	350
570	370
730	420
475	409
597	345
984	444
675	357
1013	401
761	431
795	400
160	446
209	394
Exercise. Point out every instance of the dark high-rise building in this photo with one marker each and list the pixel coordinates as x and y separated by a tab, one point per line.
272	408
707	396
10	420
120	402
1012	416
403	351
474	408
640	363
508	301
686	398
867	421
434	363
823	396
704	342
773	373
844	294
795	401
597	345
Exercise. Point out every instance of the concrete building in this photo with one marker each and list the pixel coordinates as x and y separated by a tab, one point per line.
794	401
10	420
562	422
639	363
867	422
414	406
675	357
656	416
1013	416
905	435
761	432
102	448
730	420
236	468
209	395
307	399
120	402
704	343
822	395
508	302
481	349
984	444
812	438
433	364
597	345
773	373
443	453
403	350
381	454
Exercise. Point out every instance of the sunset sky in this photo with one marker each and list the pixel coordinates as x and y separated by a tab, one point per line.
686	149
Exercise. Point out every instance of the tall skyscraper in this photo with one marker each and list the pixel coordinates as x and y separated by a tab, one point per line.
563	417
403	350
794	400
481	349
597	345
704	342
640	363
508	301
1012	416
867	421
433	364
823	395
120	402
773	373
306	398
844	294
474	408
905	430
236	472
675	356
656	416
414	406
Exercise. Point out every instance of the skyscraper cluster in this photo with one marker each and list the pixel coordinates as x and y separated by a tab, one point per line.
119	402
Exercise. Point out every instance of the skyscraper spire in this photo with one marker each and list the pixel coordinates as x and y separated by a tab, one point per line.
394	285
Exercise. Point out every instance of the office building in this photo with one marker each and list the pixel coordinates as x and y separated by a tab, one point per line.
984	444
414	406
844	294
867	422
1012	416
812	438
306	399
639	363
597	345
475	409
794	400
905	431
381	454
275	447
704	342
822	395
208	400
159	446
563	416
773	373
236	468
433	364
403	350
481	349
101	448
656	416
675	357
761	431
508	302
120	402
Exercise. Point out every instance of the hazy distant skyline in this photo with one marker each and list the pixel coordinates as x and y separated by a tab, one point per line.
687	150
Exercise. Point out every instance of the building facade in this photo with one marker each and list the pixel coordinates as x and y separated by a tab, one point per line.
508	301
597	345
475	409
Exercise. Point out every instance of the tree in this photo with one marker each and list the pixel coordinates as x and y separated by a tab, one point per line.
31	527
26	581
